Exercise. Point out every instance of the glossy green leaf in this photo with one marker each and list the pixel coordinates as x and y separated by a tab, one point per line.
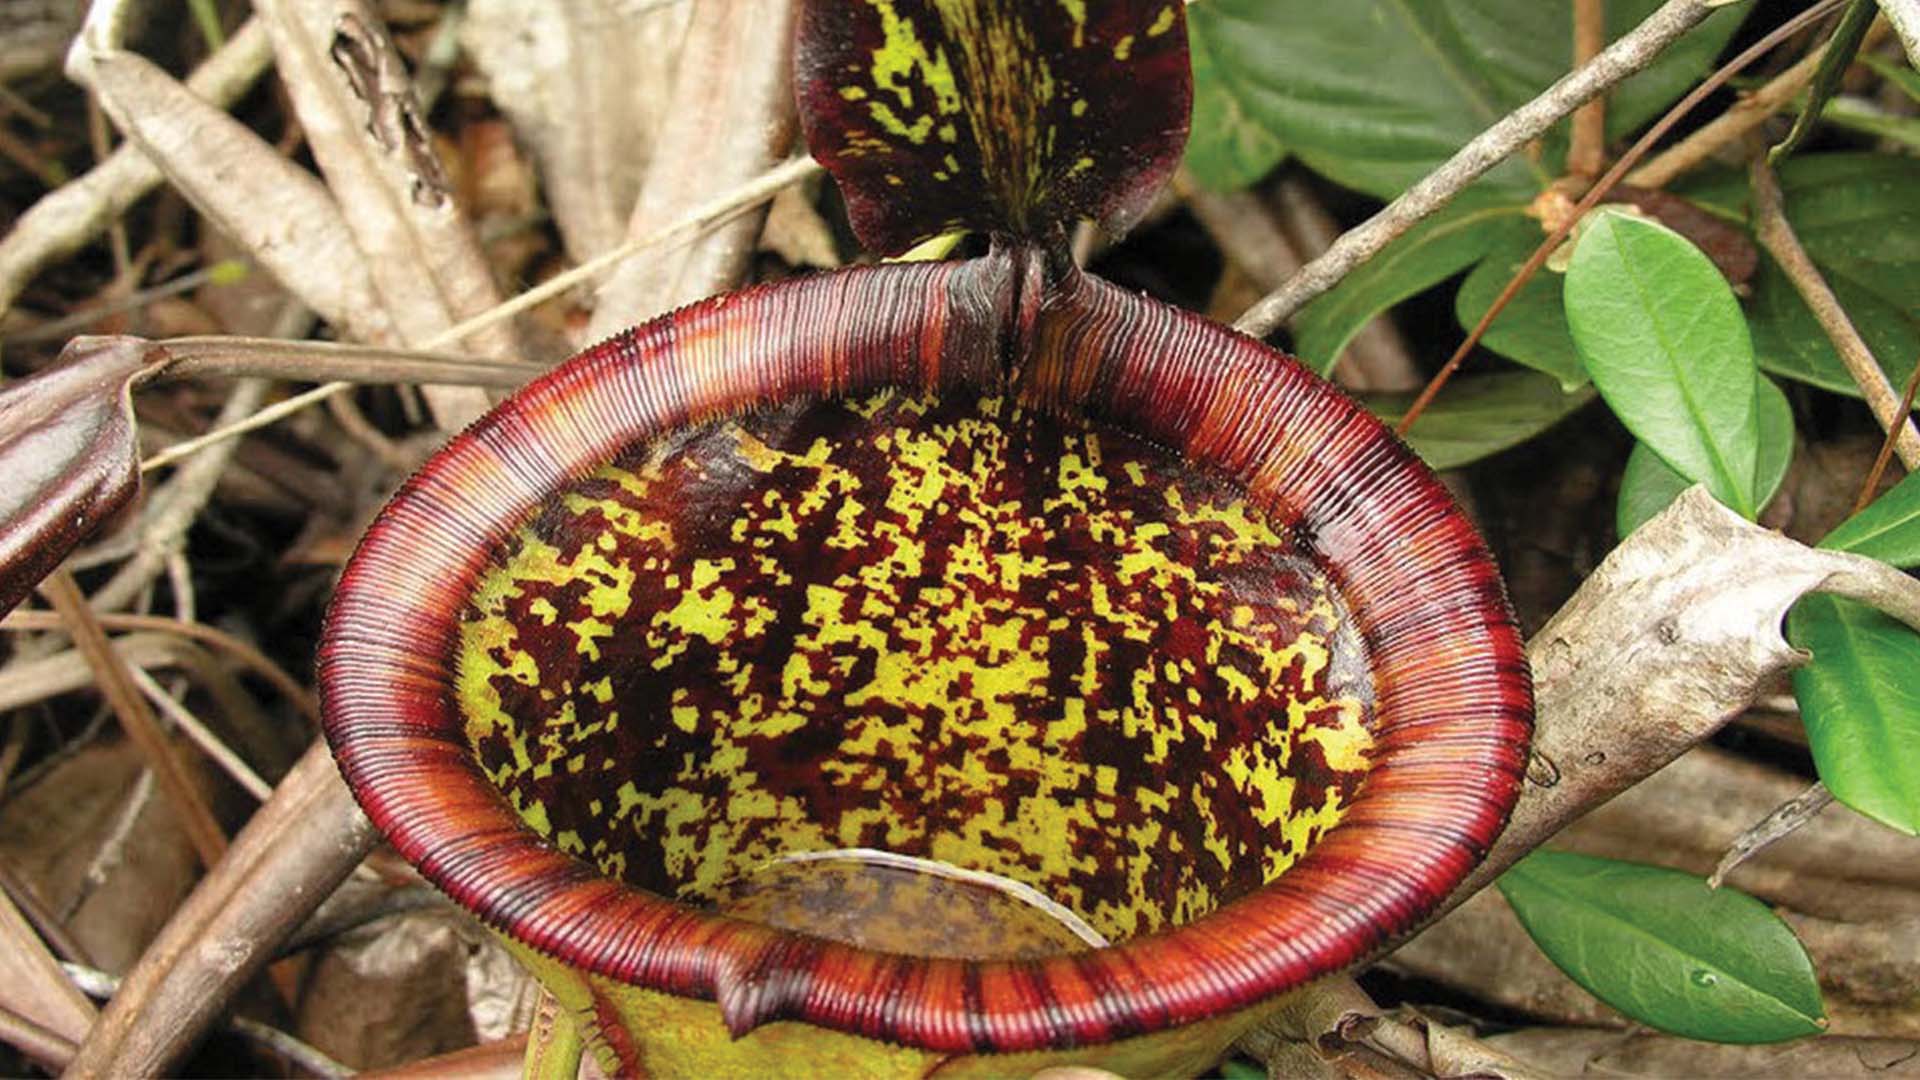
1666	344
1648	485
1375	93
1860	701
1429	253
1661	947
1532	330
1858	216
1888	529
1480	415
1227	149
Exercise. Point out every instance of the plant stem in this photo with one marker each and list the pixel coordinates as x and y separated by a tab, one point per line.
1776	234
1587	153
136	716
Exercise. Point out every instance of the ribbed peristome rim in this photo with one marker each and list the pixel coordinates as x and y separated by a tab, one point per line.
1453	697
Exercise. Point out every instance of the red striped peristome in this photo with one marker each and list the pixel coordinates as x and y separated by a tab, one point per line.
1453	693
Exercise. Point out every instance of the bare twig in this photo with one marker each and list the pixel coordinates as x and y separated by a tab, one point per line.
117	686
202	736
104	985
1785	820
1776	234
1378	357
312	361
723	208
46	922
1743	116
1631	53
164	525
1587	151
1872	483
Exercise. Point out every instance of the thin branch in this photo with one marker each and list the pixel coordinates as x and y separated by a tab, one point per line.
1872	482
136	717
1630	54
1587	151
721	209
202	736
329	361
1785	820
104	985
1776	234
1743	116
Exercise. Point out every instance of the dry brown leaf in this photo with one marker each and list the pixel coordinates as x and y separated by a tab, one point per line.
352	94
586	84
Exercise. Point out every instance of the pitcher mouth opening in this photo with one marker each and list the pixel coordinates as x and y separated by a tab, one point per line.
1186	642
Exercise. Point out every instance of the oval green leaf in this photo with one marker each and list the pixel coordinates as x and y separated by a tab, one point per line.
1227	148
1666	344
1649	485
1376	93
1481	415
1860	701
1661	947
1888	529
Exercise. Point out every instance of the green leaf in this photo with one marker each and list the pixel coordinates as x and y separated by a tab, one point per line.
1429	253
1667	346
1227	149
1481	415
1860	701
1899	75
1837	56
1375	93
1649	485
1858	216
1867	118
1532	330
1663	948
1888	529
